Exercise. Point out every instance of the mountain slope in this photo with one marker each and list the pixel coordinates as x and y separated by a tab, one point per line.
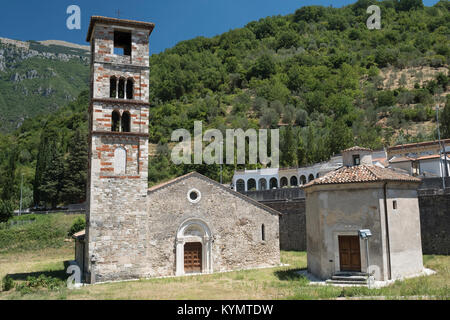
37	79
318	74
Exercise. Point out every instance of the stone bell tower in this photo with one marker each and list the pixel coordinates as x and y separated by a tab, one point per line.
118	149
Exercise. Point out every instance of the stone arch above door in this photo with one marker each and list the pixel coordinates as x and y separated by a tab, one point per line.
194	230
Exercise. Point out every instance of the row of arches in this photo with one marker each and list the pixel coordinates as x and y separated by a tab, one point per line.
121	88
272	183
120	123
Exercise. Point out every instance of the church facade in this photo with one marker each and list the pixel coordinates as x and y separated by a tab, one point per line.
189	225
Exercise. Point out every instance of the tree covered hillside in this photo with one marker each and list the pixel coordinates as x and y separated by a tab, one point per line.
38	79
318	74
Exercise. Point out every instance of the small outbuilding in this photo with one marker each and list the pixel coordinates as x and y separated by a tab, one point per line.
361	196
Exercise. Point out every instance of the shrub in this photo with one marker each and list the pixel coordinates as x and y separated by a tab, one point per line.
41	282
7	283
78	225
6	210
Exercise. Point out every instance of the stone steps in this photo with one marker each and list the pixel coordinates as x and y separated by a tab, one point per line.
355	278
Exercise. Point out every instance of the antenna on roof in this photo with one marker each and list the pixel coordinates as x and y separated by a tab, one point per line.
118	13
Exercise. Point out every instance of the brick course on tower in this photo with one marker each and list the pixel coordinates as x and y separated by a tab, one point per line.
118	146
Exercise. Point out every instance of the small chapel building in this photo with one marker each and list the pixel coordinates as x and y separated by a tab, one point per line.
191	224
361	196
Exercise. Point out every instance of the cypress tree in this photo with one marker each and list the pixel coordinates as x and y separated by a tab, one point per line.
52	180
75	169
288	155
46	147
9	177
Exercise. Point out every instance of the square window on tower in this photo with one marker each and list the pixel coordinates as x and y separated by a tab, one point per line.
122	43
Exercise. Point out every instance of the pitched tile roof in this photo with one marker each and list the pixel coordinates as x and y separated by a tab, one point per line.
362	173
418	144
400	159
79	234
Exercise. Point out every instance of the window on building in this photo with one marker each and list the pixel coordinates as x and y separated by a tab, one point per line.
263	233
251	184
130	88
356	160
113	87
120	160
115	121
294	181
126	121
262	184
122	43
273	183
303	180
121	88
394	204
240	185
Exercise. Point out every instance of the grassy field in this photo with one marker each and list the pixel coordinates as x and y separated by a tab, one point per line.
272	283
36	269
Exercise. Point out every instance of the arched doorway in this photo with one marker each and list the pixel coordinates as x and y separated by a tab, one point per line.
251	184
273	183
303	180
294	181
193	257
240	185
193	248
310	178
262	184
283	182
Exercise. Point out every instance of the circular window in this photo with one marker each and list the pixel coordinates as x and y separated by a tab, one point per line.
194	195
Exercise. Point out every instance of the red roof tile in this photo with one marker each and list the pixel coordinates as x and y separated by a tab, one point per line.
361	173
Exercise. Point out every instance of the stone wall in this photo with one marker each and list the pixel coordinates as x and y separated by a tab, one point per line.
292	223
118	161
290	202
230	226
435	221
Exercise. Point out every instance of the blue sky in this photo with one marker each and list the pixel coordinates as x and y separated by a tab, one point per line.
175	20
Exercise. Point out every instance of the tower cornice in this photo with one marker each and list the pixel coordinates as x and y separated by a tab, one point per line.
119	22
120	101
120	134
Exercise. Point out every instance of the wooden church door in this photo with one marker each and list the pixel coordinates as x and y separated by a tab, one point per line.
349	253
193	257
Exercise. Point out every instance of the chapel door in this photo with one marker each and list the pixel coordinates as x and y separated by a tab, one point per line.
349	253
193	257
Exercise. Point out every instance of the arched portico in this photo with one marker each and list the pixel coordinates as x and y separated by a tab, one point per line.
190	231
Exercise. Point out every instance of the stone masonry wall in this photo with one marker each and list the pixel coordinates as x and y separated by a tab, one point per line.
292	223
102	116
106	64
290	202
116	232
435	221
235	226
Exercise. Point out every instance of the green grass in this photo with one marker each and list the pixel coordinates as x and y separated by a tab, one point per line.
34	256
39	232
41	275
